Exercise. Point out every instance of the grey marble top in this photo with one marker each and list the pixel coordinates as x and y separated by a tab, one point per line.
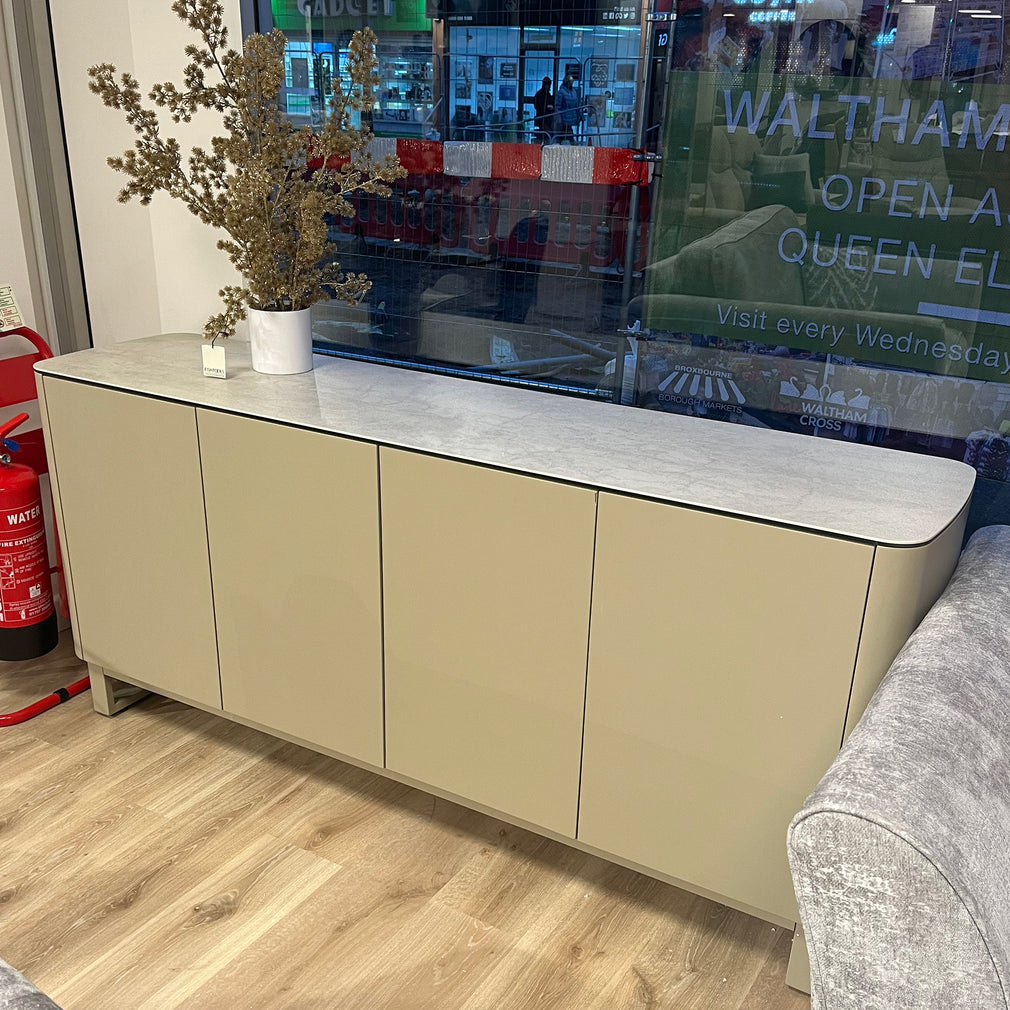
864	492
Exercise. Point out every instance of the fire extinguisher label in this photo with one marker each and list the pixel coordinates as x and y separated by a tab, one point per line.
26	594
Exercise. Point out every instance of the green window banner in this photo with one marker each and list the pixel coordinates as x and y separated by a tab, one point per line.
861	223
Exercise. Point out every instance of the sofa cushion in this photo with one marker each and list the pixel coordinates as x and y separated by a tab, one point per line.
847	283
739	260
781	179
735	151
723	191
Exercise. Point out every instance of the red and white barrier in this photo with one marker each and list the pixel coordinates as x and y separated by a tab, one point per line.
477	159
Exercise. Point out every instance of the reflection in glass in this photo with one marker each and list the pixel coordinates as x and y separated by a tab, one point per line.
820	247
826	252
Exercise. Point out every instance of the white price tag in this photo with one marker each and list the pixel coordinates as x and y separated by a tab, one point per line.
10	314
213	362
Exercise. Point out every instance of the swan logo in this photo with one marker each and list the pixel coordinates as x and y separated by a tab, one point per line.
823	401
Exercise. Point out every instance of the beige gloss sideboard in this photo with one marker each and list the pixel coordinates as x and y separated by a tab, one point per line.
644	634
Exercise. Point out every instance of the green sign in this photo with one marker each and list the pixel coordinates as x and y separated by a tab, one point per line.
858	223
296	16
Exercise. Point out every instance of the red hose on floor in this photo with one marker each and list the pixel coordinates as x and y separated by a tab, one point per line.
46	703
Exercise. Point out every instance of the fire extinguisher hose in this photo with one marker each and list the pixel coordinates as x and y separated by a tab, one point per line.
46	703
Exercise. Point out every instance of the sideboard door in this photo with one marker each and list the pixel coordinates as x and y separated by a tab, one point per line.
721	660
487	580
293	525
128	472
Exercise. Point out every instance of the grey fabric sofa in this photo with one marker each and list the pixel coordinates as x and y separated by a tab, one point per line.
901	856
17	993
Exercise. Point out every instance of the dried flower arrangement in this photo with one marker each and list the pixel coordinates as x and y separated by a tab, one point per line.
254	182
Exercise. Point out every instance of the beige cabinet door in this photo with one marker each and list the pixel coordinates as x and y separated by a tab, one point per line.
128	477
293	525
721	659
487	581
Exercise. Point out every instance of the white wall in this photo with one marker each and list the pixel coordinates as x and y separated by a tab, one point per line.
152	269
18	265
16	247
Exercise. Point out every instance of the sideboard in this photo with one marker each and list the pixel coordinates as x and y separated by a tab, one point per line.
644	634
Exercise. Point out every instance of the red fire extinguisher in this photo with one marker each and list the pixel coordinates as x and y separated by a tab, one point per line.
28	625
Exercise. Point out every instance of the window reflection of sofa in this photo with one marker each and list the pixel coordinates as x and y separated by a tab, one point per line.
738	267
745	171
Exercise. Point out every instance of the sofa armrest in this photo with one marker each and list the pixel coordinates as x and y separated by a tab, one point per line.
884	927
901	855
17	993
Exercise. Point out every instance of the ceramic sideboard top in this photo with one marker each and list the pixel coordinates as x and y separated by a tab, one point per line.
861	492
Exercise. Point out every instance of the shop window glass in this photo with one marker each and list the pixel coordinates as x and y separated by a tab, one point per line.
583	226
521	232
563	228
819	250
448	216
482	229
826	250
543	222
603	247
503	221
466	224
533	35
414	210
465	273
430	210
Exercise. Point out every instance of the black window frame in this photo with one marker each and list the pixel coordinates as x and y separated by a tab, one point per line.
257	16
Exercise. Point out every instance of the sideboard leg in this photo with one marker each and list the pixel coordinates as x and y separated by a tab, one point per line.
798	971
109	695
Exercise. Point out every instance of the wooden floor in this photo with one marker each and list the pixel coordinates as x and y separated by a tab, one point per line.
168	858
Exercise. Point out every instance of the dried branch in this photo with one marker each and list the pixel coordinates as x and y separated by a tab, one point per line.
254	182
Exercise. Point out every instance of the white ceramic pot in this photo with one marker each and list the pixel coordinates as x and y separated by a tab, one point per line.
281	341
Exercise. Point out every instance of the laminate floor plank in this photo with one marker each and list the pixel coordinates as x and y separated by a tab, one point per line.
581	943
199	930
54	803
21	757
82	915
201	768
319	949
27	680
702	957
333	808
514	876
434	962
168	858
108	751
127	877
89	784
76	848
767	990
383	828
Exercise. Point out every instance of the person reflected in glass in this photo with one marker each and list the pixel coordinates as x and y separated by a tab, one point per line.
568	108
543	107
